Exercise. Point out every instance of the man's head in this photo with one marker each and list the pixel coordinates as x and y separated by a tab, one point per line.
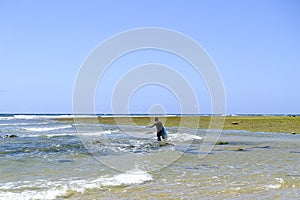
156	119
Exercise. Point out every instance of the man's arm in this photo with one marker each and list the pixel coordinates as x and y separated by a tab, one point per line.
151	126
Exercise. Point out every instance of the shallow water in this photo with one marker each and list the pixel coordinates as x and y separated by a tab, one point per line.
55	160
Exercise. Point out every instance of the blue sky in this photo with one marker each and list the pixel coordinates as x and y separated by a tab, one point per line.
254	44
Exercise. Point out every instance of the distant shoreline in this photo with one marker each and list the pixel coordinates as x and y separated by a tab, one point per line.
254	123
143	114
280	123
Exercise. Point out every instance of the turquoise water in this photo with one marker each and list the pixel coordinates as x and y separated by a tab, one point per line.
55	160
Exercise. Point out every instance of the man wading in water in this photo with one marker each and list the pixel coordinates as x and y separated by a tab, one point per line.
159	128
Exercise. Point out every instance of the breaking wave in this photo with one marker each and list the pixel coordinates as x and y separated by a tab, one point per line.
42	189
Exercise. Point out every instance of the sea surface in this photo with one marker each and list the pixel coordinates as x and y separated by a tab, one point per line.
50	159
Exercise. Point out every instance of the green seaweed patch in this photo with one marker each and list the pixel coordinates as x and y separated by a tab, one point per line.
240	149
163	143
221	143
131	146
234	149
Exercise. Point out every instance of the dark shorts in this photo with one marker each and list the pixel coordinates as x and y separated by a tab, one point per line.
160	134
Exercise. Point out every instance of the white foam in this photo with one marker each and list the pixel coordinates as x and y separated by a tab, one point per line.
41	129
19	124
183	137
47	135
42	189
31	195
45	117
107	132
274	186
6	118
72	116
28	116
135	176
279	183
6	124
96	133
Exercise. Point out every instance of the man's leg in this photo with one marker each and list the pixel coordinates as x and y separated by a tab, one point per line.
158	135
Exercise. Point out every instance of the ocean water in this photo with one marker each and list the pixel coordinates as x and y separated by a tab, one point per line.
55	160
